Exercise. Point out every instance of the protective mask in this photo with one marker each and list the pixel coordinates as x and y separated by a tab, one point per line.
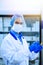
17	27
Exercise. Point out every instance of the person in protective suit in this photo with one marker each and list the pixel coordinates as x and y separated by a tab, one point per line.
14	48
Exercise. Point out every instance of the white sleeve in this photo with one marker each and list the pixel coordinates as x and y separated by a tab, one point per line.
33	55
10	54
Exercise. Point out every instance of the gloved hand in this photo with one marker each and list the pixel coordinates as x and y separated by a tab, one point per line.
36	47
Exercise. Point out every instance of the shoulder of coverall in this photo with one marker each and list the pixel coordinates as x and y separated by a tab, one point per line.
6	38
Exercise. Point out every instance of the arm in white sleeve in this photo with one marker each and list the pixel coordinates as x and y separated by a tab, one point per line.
33	55
10	54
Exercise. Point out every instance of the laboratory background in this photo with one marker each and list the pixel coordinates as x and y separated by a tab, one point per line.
32	11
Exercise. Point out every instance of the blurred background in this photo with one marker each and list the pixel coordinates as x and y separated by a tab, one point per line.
32	11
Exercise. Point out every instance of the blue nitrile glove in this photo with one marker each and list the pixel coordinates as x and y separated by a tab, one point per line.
36	47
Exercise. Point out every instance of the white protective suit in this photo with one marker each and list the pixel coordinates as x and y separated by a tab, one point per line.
15	53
